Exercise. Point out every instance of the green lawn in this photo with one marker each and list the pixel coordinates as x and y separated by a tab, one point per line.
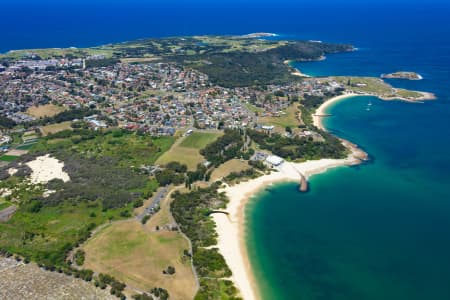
287	119
199	140
8	158
187	151
191	157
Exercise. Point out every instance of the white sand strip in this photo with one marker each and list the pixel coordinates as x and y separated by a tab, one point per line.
231	242
231	230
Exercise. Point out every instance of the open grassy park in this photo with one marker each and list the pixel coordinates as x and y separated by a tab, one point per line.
186	149
234	165
47	110
290	117
54	128
137	255
199	140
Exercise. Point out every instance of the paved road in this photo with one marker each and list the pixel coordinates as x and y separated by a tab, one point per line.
160	195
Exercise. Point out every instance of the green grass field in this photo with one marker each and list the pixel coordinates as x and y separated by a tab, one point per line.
199	140
54	128
8	158
288	119
187	150
191	157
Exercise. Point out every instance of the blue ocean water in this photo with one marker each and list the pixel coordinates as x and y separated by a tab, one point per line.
55	23
377	231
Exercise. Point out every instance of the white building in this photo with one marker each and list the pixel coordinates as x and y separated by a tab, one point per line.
267	127
274	160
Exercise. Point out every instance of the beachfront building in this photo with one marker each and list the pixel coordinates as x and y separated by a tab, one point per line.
274	161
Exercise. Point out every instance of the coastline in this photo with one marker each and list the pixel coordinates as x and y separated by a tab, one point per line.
321	111
425	96
231	228
297	71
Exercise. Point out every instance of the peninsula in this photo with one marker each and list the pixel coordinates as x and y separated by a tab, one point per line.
157	144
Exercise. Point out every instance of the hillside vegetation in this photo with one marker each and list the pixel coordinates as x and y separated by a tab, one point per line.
105	185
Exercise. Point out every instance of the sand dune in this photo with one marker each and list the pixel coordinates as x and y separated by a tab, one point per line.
46	168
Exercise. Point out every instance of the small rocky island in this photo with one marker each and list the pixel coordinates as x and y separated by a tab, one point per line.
403	75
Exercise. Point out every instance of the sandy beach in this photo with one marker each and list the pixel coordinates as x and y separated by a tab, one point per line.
320	112
231	230
231	227
297	72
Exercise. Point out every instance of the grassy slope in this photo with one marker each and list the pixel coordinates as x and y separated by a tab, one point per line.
289	119
234	165
137	254
53	228
186	150
199	140
54	128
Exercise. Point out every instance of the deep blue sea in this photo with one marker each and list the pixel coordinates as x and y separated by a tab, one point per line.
376	231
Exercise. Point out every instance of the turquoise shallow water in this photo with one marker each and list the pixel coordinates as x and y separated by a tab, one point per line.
380	230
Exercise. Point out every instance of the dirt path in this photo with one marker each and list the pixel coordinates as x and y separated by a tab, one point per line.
7	213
